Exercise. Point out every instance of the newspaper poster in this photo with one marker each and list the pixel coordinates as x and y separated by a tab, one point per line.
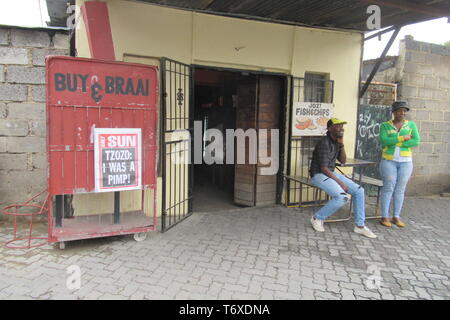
310	118
118	159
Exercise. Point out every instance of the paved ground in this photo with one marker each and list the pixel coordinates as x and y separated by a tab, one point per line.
269	253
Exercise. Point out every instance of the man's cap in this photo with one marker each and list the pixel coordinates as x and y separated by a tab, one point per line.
334	121
400	104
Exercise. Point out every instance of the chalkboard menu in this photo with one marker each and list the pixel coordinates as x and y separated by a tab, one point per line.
370	118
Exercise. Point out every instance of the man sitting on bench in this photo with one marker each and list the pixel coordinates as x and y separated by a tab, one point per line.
338	186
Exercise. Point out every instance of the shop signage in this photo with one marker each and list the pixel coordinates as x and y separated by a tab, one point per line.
310	118
118	159
83	82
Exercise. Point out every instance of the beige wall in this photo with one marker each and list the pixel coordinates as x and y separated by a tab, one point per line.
242	44
338	54
194	38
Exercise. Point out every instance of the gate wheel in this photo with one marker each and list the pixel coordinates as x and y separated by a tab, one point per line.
59	245
141	236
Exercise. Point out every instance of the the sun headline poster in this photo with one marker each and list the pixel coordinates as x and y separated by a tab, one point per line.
118	159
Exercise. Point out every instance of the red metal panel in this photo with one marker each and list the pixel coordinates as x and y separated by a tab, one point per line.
79	98
98	28
87	82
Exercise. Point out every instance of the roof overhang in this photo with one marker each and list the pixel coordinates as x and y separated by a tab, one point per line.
339	14
57	11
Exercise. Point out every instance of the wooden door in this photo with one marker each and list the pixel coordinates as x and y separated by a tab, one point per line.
259	103
245	174
268	113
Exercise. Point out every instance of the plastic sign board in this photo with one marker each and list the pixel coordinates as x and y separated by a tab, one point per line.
118	159
310	118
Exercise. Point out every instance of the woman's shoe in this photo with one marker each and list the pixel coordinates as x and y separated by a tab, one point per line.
398	222
385	222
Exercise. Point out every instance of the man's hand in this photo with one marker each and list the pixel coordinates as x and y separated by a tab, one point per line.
344	187
407	137
342	156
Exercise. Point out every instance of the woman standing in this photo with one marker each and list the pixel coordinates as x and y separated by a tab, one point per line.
397	136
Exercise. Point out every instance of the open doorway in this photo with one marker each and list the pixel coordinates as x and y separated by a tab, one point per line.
224	100
215	107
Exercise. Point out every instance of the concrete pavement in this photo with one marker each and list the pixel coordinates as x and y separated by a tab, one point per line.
253	253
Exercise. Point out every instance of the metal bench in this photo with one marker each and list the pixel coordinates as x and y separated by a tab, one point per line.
316	198
317	191
305	181
373	182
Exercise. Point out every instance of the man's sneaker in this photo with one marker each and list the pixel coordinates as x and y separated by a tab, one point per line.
317	224
365	232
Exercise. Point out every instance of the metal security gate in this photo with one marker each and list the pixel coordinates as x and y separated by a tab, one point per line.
312	88
177	128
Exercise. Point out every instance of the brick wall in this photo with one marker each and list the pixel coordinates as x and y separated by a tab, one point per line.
426	85
23	160
422	73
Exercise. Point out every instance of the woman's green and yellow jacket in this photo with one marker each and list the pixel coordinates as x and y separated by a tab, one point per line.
391	138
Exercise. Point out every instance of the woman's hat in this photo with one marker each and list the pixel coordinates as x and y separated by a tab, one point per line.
400	104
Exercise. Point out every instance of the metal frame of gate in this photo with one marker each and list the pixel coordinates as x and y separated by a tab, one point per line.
300	148
176	118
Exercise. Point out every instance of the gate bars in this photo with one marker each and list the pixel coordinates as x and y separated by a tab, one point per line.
300	149
176	121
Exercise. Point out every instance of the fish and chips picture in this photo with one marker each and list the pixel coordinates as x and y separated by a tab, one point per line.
322	121
303	123
310	118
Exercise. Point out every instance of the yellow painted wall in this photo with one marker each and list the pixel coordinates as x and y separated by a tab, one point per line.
194	38
150	31
338	54
81	39
242	44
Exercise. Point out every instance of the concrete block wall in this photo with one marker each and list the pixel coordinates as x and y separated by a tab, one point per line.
424	80
23	159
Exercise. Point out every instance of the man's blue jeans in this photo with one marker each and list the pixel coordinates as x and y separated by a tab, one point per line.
395	176
339	197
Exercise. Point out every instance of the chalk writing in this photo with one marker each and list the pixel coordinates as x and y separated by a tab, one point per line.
368	147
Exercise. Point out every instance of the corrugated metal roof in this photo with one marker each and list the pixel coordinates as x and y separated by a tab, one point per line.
346	14
342	14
